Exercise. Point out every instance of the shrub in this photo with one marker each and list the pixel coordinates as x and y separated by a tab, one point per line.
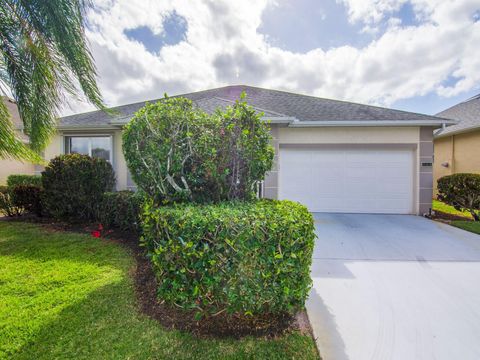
240	257
7	205
243	153
34	180
28	198
74	185
176	152
462	191
121	209
159	147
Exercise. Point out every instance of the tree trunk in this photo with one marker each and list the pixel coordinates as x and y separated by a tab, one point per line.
475	215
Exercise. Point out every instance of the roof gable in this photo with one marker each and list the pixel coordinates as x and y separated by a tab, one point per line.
467	114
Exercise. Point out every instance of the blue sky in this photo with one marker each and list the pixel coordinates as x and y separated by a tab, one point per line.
415	55
174	31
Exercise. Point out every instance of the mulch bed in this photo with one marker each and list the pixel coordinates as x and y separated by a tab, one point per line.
447	218
220	326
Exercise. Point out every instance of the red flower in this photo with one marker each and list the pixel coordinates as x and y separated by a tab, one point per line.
96	234
100	227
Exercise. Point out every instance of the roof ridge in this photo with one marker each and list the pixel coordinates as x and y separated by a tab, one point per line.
474	97
255	107
342	101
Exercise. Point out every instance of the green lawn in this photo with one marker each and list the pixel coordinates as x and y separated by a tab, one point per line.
70	296
472	226
440	206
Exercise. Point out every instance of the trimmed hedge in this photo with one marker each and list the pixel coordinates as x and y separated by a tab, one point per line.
28	198
462	191
74	185
121	209
240	257
32	180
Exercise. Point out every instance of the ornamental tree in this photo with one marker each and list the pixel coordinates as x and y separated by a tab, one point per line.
462	191
176	152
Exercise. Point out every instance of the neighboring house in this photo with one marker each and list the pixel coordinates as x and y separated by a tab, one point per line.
8	167
457	148
332	156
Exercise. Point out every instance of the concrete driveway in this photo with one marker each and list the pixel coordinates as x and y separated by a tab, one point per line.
394	287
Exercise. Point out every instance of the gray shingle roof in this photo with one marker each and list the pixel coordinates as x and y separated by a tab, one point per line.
467	113
273	103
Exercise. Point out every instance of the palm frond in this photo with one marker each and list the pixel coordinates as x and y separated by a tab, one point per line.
12	147
45	56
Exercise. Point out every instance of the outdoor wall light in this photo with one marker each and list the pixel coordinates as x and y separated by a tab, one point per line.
445	164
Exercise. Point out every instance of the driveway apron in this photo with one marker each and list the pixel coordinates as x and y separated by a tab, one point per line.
394	287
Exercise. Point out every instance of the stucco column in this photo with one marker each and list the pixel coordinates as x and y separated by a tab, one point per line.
425	188
270	185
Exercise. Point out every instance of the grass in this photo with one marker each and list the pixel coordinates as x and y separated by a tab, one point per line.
472	226
71	296
447	209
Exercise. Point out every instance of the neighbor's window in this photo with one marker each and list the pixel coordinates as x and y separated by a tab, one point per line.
95	146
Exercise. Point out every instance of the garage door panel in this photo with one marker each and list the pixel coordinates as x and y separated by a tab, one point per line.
361	173
348	180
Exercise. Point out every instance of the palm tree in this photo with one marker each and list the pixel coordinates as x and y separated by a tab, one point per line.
44	56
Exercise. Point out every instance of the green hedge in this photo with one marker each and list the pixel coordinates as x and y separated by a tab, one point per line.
73	186
240	257
33	180
28	198
121	209
462	191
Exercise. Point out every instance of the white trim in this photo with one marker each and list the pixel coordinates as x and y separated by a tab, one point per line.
457	132
341	123
87	128
279	119
291	122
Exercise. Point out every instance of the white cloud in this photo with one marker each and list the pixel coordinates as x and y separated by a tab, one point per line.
371	11
222	46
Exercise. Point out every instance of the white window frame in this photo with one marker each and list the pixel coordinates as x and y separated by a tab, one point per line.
67	148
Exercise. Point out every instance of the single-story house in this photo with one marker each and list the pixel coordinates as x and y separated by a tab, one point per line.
332	156
457	148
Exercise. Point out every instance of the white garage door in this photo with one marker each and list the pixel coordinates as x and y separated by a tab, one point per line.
348	180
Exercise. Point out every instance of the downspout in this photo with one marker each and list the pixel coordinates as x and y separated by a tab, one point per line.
452	155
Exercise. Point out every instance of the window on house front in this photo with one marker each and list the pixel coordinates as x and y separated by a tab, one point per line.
94	146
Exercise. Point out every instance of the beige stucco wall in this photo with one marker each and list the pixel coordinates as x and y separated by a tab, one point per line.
119	163
55	147
460	151
348	135
420	138
12	167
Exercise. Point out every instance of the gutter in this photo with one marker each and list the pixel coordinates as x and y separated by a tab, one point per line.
456	132
88	127
280	119
329	123
294	122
